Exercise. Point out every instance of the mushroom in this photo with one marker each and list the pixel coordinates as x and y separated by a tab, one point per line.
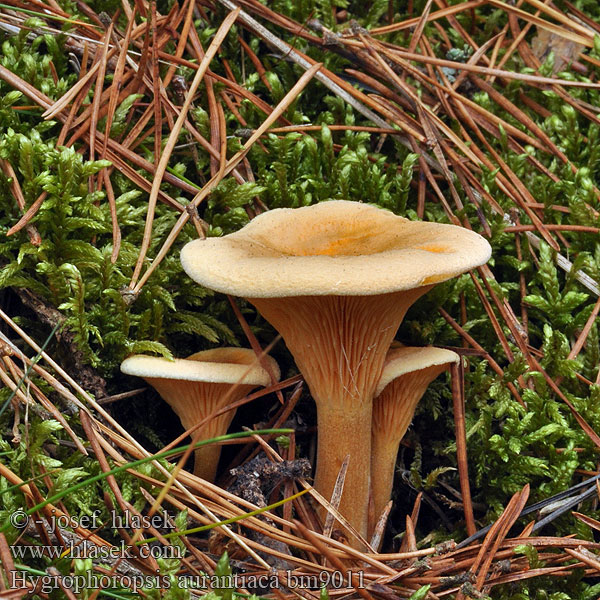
406	374
201	384
335	279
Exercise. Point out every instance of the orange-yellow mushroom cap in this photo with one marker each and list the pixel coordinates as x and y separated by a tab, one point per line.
337	247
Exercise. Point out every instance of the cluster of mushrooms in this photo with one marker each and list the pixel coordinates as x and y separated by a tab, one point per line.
335	280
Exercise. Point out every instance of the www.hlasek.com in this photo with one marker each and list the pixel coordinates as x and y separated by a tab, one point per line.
45	584
96	552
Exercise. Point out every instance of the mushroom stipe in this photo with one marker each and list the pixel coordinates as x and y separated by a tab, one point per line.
339	344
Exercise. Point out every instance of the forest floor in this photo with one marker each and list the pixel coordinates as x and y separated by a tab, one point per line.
129	128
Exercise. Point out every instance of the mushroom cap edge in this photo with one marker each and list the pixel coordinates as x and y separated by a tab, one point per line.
407	359
258	261
193	368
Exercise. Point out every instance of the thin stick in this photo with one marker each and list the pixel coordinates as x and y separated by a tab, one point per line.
458	402
552	227
584	332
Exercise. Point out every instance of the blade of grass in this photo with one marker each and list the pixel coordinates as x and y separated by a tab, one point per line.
27	370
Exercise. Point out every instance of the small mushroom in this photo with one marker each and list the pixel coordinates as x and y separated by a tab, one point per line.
201	384
406	374
335	279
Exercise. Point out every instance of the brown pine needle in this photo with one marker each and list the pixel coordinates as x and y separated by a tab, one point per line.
458	403
231	164
168	149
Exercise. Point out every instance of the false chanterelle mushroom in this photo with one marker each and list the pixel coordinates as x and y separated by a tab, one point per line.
199	385
335	279
406	375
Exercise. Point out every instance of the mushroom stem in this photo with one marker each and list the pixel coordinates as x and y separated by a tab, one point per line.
206	460
339	344
393	411
343	433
